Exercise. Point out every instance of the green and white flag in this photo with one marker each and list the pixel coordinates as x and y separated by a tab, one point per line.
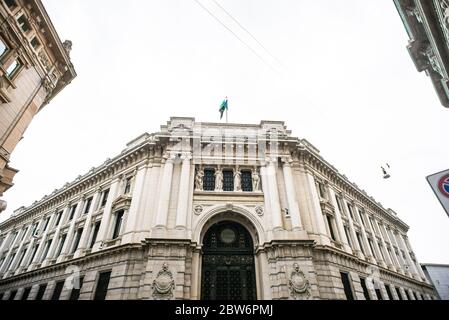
223	107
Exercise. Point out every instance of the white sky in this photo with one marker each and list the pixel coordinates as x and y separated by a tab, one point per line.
348	86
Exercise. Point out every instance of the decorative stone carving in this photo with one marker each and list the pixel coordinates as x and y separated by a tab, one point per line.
445	7
298	284
198	209
199	180
260	211
164	284
237	181
67	47
256	181
219	180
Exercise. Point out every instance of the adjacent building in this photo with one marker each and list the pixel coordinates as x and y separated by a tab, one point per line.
210	211
438	274
427	25
34	67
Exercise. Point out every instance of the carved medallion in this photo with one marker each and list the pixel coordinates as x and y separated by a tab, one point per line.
298	284
164	284
259	210
198	209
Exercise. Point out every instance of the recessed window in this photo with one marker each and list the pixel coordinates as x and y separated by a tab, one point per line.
11	4
330	223
347	286
88	205
94	235
75	294
390	295
47	247
102	286
78	235
23	23
13	68
58	289
41	291
3	48
26	293
209	180
379	294
61	245
322	190
118	224
35	43
72	212
58	218
247	181
104	198
12	296
228	180
365	289
398	292
33	254
128	186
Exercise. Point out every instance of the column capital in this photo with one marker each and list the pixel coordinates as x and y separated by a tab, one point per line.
287	161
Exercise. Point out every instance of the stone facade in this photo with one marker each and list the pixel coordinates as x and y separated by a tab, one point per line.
427	25
34	67
135	227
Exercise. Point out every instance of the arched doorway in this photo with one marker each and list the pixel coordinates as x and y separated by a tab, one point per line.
228	267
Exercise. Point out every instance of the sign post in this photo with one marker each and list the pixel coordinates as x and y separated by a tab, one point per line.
439	182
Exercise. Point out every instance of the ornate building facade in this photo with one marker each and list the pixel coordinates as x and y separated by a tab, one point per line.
34	67
427	25
210	211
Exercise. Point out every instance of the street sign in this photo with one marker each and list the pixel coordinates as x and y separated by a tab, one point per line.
439	182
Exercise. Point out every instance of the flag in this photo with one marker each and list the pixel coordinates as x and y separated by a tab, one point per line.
223	107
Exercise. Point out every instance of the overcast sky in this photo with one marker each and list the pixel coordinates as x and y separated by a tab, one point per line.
338	73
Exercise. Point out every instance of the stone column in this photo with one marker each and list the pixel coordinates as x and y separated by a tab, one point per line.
87	226
183	196
8	255
43	242
291	197
24	238
71	232
266	193
370	254
339	221
274	195
196	274
5	243
375	243
390	263
315	207
55	242
393	252
164	195
412	266
151	187
107	213
358	251
135	210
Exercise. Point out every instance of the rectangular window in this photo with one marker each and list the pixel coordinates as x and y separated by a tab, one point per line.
348	236
58	219
72	212
24	233
381	249
347	286
11	4
33	254
104	198
379	294
75	294
22	255
389	293
35	43
94	235
370	243
117	224
26	294
23	23
102	286
398	292
331	227
13	68
247	181
58	289
41	291
359	239
414	295
1	296
46	224
35	230
338	200
365	289
61	245
351	213
128	186
88	205
12	296
78	235
11	259
228	180
47	247
209	180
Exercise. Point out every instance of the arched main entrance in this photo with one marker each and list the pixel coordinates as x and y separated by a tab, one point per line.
228	268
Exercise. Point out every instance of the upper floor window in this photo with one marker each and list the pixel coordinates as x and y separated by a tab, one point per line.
209	180
3	48
247	181
23	23
11	4
13	68
87	205
104	198
340	207
35	43
72	212
351	211
322	190
46	224
128	185
228	180
118	224
58	218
